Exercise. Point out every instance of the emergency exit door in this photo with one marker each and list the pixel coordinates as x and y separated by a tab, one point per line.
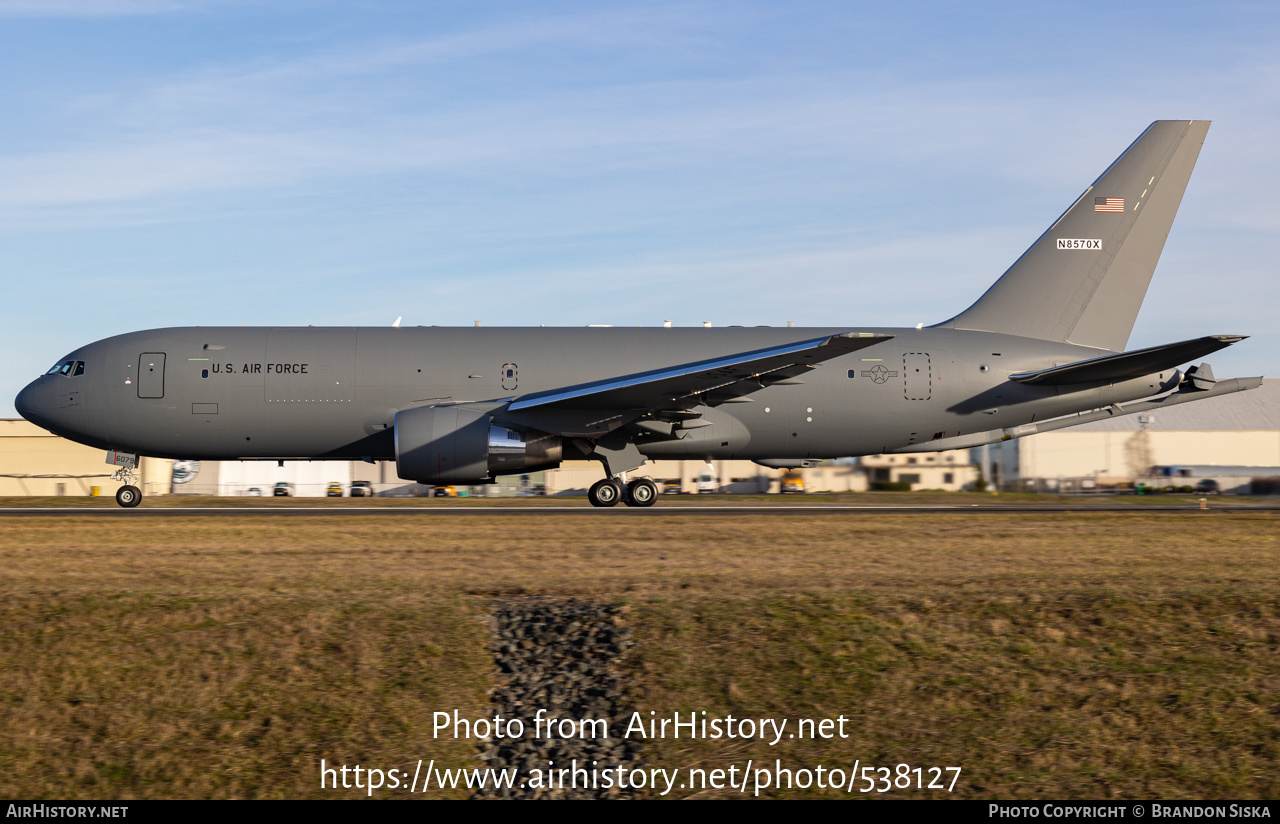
151	375
917	376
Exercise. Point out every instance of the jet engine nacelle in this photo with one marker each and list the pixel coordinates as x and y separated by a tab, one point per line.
458	444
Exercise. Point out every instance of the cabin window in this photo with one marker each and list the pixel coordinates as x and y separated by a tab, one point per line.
78	370
204	373
63	368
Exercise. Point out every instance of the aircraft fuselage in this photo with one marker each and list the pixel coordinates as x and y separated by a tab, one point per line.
225	393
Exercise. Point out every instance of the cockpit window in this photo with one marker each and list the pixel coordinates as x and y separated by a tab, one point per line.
68	368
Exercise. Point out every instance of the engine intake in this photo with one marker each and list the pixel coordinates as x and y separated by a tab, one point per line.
457	444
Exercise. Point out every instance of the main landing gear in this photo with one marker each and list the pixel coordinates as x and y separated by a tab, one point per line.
128	495
640	492
619	457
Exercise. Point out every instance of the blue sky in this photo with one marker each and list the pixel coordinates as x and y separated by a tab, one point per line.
172	163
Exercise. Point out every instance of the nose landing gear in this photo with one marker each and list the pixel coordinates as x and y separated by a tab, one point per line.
128	495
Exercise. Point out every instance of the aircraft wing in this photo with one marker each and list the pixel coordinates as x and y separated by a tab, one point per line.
1127	365
702	383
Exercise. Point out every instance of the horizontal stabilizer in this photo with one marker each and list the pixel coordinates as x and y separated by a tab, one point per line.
1201	377
707	382
1184	394
1126	365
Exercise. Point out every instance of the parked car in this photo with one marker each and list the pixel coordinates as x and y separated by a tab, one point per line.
334	490
792	482
282	489
444	492
671	486
361	489
708	483
254	492
1208	486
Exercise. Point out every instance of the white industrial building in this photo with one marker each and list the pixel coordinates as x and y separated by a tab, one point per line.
312	478
1233	439
952	471
306	479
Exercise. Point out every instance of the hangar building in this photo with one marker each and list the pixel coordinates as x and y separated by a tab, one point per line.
34	461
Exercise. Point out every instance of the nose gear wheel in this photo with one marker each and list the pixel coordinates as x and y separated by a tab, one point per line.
128	495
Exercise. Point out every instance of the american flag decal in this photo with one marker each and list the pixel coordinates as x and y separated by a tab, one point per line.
1108	204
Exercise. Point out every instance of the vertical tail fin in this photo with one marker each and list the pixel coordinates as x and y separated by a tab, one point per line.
1084	279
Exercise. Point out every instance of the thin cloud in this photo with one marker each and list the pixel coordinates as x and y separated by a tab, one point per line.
89	8
342	114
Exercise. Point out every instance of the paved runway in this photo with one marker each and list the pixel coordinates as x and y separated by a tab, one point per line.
623	511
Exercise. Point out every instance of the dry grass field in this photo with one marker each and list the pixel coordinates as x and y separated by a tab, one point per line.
1050	655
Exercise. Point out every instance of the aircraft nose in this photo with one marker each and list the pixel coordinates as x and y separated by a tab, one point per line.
29	405
23	402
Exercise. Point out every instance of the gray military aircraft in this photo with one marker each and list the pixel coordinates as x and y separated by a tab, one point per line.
1041	350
